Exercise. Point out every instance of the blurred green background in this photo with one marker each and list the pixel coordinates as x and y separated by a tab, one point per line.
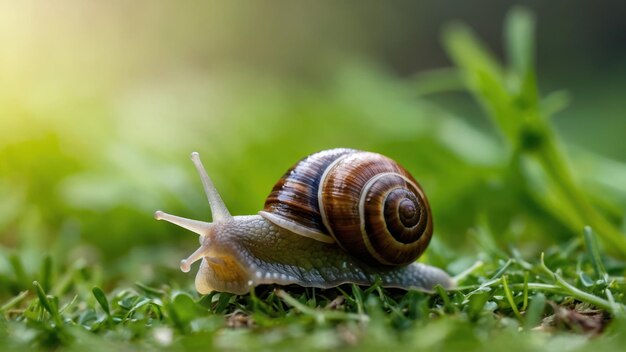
102	102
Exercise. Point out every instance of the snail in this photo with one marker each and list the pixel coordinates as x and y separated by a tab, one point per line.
337	216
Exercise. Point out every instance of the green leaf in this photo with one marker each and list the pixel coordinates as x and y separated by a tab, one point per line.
483	76
509	296
49	303
594	253
447	303
477	303
150	290
102	299
469	52
519	32
535	311
185	307
13	301
43	299
46	273
223	301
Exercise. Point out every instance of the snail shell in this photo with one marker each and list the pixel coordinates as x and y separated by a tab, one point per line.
338	216
367	203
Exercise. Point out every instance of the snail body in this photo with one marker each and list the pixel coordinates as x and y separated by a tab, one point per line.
337	216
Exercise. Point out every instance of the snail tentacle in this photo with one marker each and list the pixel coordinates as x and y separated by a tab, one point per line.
200	227
185	264
219	211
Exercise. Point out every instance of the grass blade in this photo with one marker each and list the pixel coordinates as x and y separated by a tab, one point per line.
594	254
519	28
509	296
13	301
48	303
535	311
46	273
102	299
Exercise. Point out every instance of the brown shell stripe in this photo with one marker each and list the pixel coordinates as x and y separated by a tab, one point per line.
341	194
295	196
389	242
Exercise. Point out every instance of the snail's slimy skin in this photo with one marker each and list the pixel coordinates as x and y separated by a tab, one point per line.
247	251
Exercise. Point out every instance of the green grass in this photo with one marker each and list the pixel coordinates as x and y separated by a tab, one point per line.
561	287
500	301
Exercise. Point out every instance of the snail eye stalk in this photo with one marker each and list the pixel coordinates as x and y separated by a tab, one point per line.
185	264
218	208
200	227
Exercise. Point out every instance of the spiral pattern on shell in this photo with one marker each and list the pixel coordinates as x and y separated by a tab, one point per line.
369	204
